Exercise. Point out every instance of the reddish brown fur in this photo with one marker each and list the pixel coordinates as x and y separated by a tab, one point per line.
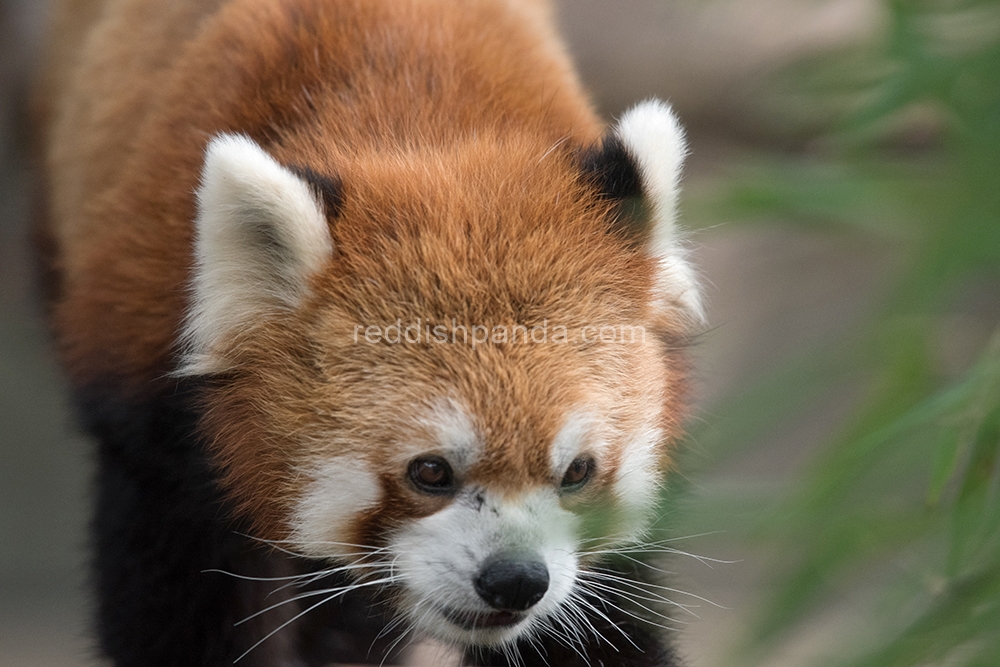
445	266
454	132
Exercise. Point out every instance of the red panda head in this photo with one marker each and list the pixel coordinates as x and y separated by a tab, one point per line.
461	366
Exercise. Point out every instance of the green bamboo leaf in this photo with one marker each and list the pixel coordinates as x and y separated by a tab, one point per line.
971	526
967	610
910	488
949	454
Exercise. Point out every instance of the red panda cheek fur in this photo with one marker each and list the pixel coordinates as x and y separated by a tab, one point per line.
243	190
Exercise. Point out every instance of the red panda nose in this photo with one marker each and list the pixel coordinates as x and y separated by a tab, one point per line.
512	584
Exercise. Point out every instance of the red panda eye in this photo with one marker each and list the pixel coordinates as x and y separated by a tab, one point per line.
577	474
432	474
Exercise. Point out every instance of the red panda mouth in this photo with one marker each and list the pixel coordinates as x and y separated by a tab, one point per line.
478	621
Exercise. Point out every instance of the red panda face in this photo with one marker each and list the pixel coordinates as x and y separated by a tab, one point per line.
458	371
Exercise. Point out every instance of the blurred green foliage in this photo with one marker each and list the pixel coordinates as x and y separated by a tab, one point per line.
902	507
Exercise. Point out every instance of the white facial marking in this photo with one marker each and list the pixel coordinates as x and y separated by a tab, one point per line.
339	490
637	483
452	433
653	136
579	433
260	234
439	557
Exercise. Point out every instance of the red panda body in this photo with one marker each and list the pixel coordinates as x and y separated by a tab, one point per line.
362	293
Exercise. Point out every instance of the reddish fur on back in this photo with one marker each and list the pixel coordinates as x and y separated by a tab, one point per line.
127	149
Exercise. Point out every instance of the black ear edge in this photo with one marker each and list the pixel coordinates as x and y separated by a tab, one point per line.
328	189
615	174
612	170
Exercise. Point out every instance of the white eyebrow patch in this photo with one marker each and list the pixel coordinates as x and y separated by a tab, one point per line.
447	428
578	430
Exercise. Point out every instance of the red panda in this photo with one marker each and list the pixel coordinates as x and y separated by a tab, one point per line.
379	329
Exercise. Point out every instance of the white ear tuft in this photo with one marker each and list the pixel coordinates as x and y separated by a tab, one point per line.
653	137
259	235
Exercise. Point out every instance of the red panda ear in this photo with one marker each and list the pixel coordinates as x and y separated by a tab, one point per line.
261	232
638	164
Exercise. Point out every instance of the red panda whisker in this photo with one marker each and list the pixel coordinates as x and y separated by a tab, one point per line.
618	578
366	568
577	603
531	636
425	600
607	602
399	620
337	592
409	633
706	560
389	627
573	636
282	626
657	598
582	602
249	578
636	596
289	552
300	584
510	655
663	550
310	543
702	559
579	631
634	599
367	550
570	616
631	559
681	538
294	578
644	586
587	603
650	596
576	638
506	653
585	540
360	565
564	639
392	646
516	655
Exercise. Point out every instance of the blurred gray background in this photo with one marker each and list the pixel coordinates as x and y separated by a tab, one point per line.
770	293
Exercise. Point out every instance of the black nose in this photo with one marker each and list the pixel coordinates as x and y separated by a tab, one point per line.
512	584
